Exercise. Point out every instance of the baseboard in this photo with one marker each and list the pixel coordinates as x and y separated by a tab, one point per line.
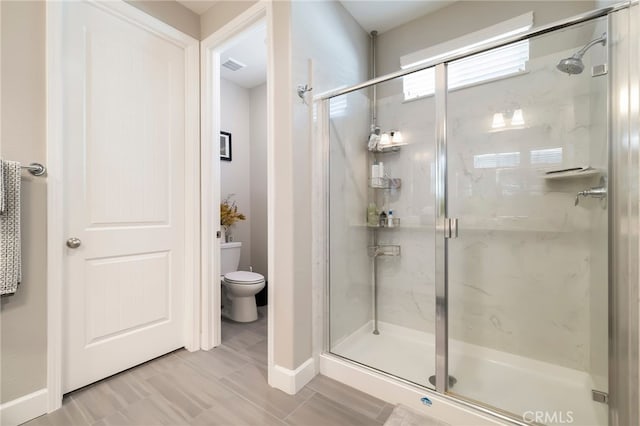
291	381
23	409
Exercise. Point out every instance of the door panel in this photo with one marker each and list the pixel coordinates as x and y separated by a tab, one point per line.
527	275
124	118
144	279
381	272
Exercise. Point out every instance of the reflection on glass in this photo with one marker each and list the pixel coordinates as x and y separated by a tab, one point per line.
518	118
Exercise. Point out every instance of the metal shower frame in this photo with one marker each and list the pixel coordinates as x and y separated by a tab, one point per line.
623	328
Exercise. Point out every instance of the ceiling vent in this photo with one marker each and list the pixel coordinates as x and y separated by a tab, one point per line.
233	65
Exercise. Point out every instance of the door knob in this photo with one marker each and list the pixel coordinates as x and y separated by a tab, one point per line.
73	242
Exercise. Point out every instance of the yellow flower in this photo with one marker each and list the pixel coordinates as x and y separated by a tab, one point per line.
229	214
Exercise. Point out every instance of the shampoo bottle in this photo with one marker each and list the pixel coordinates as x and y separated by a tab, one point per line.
383	219
372	215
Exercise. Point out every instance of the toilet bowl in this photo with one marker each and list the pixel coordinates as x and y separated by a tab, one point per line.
241	288
238	287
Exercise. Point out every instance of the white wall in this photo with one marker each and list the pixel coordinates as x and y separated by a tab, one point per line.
244	115
235	175
258	190
464	17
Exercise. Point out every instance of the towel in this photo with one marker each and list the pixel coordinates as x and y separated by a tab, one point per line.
10	261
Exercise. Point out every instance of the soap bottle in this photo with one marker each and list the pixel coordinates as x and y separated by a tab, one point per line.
390	219
383	219
372	215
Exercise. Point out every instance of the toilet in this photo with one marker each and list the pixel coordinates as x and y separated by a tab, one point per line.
238	287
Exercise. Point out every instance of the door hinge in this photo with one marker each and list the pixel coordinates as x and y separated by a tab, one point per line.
218	234
451	227
599	396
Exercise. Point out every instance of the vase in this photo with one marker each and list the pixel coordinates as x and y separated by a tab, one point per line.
223	235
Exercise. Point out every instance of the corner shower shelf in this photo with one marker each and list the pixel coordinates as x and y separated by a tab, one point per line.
396	224
385	183
388	148
576	173
384	250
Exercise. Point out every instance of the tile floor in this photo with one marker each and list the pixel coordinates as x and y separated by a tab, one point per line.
224	386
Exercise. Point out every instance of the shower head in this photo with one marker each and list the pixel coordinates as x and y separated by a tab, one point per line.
574	64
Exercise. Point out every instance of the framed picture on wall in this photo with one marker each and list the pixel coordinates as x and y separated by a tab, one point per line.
225	146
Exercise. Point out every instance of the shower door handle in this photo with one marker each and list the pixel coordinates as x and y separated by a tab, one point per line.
451	228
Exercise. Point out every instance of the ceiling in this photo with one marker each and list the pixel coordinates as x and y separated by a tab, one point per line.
198	6
381	16
251	50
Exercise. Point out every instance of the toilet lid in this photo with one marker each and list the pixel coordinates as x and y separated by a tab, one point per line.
243	277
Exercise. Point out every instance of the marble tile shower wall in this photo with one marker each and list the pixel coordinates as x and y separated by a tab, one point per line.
350	273
406	283
520	274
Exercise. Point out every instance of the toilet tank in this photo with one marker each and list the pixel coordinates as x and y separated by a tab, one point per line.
229	257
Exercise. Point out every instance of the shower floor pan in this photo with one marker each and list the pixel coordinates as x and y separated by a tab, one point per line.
506	381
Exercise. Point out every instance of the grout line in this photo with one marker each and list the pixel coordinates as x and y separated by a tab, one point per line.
352	390
381	410
256	364
199	369
239	395
313	393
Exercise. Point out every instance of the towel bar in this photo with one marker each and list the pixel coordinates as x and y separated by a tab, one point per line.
35	169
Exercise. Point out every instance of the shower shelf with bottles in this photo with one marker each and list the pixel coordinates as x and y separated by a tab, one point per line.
384	250
386	149
385	183
382	185
572	173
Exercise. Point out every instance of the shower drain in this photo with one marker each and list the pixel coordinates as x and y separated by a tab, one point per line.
452	381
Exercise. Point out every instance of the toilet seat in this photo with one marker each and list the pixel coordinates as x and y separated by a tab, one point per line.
243	277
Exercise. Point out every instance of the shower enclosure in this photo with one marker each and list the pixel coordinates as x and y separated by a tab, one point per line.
490	282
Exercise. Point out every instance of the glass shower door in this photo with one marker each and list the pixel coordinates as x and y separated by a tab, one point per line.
381	229
527	274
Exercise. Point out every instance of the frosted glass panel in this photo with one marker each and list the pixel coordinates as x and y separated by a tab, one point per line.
382	272
528	272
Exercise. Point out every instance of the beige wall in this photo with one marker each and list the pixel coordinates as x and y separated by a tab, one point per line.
23	315
235	175
283	287
338	58
172	13
220	14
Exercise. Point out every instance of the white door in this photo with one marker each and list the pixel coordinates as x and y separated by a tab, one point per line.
124	185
